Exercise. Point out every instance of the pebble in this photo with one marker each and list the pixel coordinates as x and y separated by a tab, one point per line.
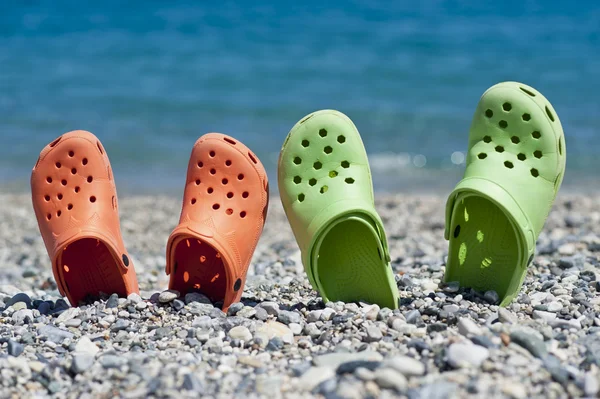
373	334
491	297
54	334
271	308
506	316
554	306
275	329
465	355
468	327
390	379
234	308
333	360
413	317
287	317
81	362
85	345
168	296
14	348
546	316
529	341
113	301
240	332
408	366
120	324
313	377
23	316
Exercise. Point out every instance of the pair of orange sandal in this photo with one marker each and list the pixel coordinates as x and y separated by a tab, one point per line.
224	210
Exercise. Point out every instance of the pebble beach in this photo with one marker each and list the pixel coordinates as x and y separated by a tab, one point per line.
281	340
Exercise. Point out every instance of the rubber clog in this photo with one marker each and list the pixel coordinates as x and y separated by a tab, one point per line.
224	210
326	190
515	166
75	202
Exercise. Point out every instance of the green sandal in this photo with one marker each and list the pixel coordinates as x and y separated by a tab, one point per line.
327	193
515	166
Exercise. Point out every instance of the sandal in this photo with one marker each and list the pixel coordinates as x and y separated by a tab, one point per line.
515	166
75	202
224	211
327	193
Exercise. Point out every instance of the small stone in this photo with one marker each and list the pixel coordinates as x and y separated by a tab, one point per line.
287	317
247	312
178	304
373	334
22	316
482	340
390	379
234	308
334	359
314	316
271	308
350	367
73	323
296	328
465	355
327	314
19	306
240	332
546	316
436	327
113	301
468	327
554	306
81	362
514	390
162	332
141	305
213	344
196	297
134	298
413	317
591	386
112	361
67	315
452	287
54	334
85	345
408	366
275	344
14	348
530	342
491	297
506	316
275	329
20	297
120	324
168	296
314	376
192	383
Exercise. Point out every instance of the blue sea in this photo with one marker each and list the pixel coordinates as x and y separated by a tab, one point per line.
149	77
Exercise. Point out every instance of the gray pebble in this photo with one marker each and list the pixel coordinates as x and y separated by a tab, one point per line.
81	362
168	296
14	348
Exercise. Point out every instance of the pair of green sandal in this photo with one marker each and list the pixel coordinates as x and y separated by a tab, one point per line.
515	166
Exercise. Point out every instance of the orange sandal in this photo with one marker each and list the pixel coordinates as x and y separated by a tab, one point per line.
75	202
224	210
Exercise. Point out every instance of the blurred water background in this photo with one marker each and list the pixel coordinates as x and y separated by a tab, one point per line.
149	77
